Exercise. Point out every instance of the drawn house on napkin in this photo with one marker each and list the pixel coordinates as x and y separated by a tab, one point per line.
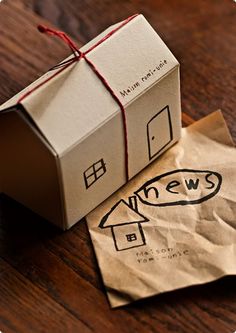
125	223
62	145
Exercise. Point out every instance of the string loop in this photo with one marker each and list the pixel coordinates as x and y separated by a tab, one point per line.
61	35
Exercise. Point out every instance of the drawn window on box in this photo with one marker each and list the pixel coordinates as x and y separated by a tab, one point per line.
159	132
94	172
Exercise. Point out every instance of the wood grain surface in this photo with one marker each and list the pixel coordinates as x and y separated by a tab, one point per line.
49	280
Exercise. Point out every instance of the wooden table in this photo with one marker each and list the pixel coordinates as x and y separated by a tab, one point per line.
49	280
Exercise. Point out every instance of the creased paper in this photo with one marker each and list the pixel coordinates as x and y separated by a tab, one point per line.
173	225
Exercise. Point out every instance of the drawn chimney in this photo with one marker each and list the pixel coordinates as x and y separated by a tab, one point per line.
125	223
133	203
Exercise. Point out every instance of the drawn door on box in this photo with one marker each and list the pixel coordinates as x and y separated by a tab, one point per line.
159	132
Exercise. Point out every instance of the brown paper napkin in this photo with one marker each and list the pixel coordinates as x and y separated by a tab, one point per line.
174	224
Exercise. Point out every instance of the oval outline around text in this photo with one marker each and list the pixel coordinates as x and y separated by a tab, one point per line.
180	202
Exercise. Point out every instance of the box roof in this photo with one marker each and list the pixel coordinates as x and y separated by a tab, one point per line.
75	103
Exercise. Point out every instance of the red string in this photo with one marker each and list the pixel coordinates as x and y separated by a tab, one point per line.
115	97
111	32
61	35
29	92
77	56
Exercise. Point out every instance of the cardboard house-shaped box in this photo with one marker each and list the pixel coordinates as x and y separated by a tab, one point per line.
62	147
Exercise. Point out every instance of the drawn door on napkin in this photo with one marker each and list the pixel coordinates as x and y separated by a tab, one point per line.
159	132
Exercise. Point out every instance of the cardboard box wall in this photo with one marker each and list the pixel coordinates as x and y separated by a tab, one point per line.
72	126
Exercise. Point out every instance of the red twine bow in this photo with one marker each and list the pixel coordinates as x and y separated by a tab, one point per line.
78	55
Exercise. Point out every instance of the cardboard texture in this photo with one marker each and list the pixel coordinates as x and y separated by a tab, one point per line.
66	153
173	225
